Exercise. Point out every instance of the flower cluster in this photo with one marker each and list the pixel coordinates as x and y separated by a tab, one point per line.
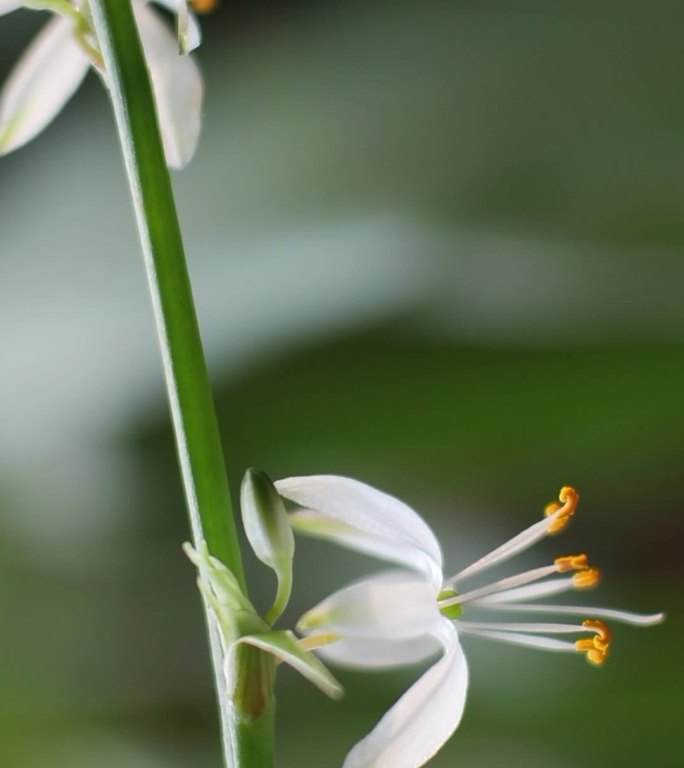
406	615
57	61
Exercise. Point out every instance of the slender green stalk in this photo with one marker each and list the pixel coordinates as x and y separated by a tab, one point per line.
247	741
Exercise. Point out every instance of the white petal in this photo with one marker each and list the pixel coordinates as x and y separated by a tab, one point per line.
419	724
367	653
177	85
313	523
391	529
189	32
392	605
7	6
46	76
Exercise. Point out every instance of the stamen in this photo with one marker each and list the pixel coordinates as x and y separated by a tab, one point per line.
596	647
562	512
532	627
571	563
531	641
551	587
500	592
503	584
555	520
603	637
587	578
626	617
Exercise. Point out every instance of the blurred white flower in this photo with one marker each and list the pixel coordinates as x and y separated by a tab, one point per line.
56	62
405	616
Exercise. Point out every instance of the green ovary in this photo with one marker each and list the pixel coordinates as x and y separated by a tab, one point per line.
450	611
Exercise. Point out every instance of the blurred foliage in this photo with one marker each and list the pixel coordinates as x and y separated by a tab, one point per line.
436	246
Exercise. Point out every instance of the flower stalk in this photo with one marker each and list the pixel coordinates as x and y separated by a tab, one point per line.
247	739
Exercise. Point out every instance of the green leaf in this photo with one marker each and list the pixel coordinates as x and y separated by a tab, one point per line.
269	532
285	646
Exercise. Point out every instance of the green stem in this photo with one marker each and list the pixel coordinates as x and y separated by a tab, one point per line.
187	381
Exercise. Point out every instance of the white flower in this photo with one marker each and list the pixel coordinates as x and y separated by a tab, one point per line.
405	616
57	61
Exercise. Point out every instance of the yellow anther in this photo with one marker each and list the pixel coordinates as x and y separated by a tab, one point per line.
596	657
564	510
571	563
595	647
551	507
603	637
585	644
589	577
568	495
204	6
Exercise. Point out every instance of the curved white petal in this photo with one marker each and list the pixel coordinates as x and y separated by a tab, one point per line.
393	605
46	76
419	724
7	6
315	524
383	525
371	653
177	85
189	32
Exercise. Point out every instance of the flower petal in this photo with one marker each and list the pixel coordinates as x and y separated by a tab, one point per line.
177	85
418	725
371	653
376	523
392	605
7	6
312	523
46	76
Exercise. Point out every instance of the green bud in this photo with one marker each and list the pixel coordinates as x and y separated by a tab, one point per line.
269	532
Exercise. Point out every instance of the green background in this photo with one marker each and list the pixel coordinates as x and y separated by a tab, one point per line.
436	246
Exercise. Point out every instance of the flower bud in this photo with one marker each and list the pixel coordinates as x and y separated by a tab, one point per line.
269	532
